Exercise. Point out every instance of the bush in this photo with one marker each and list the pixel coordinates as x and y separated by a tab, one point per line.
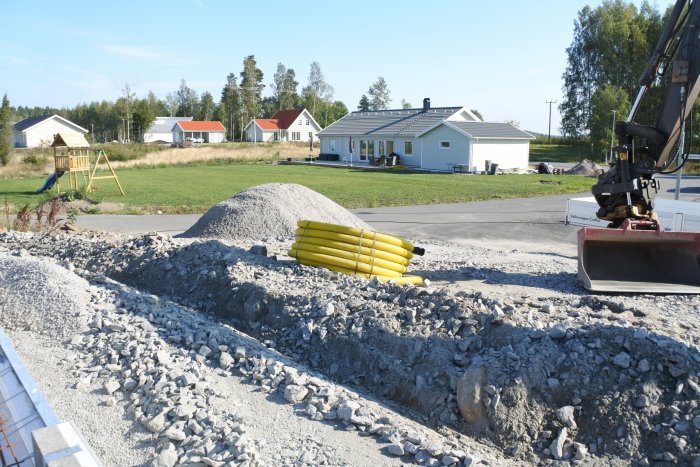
127	152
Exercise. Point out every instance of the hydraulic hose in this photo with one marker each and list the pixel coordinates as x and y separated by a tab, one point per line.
354	251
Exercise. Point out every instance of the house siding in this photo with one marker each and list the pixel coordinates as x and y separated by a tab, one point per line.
436	158
508	154
42	134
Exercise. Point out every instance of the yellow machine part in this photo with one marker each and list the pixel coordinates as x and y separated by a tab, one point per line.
353	251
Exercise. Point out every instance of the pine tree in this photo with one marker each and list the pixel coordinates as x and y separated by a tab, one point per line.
5	131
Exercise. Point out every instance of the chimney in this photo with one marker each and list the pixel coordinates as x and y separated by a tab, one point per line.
426	104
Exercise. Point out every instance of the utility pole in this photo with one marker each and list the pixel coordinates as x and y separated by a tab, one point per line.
612	135
549	132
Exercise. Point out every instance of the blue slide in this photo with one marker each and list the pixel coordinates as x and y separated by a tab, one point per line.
50	181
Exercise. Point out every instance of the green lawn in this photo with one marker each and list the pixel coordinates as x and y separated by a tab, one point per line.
559	153
180	189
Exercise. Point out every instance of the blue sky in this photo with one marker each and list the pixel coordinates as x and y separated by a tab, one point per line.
502	58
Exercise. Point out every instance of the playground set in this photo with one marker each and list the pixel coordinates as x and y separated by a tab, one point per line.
73	155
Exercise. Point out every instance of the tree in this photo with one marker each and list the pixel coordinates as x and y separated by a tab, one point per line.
229	107
251	90
611	45
206	108
5	131
336	111
285	88
478	114
171	104
364	103
379	94
606	99
405	104
142	118
317	92
187	101
128	99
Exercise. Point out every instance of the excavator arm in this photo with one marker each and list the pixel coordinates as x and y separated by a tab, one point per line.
634	254
626	190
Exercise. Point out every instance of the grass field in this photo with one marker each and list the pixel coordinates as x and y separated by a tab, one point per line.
559	153
195	188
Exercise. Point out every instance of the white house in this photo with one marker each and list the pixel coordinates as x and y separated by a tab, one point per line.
33	132
162	129
285	125
437	138
199	131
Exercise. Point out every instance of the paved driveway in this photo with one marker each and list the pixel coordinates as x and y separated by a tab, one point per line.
532	220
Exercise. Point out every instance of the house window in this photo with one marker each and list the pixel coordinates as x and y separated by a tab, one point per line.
370	148
307	121
389	147
296	136
277	136
363	149
444	145
331	145
408	148
381	148
311	135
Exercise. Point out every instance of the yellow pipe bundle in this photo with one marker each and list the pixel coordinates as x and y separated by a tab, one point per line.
354	251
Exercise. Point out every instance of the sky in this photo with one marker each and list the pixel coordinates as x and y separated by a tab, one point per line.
503	58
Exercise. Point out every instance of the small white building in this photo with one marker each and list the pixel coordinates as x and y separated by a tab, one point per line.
34	132
161	130
441	139
199	131
285	125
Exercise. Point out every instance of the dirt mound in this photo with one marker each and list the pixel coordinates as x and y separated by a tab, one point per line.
268	211
585	167
43	297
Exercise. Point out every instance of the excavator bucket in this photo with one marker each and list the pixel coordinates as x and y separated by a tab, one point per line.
639	261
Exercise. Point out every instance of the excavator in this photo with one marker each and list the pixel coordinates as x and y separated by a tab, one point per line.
634	254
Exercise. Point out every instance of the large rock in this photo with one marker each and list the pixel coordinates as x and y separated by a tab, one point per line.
469	389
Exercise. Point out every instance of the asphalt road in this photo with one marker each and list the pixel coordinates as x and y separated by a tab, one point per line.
538	221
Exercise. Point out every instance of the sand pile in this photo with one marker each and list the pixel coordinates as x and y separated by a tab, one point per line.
268	211
42	297
585	167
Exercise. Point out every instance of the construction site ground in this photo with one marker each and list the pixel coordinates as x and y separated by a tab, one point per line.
221	350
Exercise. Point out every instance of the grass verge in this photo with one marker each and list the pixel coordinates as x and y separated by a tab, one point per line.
195	188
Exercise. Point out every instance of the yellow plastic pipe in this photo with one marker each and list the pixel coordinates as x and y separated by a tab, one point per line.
354	240
353	248
367	259
354	251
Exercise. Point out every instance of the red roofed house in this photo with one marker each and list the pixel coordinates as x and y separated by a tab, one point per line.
199	131
285	125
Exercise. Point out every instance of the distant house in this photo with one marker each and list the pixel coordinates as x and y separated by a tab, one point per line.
285	125
36	132
162	129
441	139
198	131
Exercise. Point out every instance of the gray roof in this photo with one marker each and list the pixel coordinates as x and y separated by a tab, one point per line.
166	124
492	130
403	122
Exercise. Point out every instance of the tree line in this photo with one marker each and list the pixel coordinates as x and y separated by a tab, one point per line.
606	59
240	100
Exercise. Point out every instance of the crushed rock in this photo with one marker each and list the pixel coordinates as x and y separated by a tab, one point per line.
41	296
268	211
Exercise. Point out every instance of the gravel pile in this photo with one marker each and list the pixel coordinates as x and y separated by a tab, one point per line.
585	167
502	347
269	211
40	296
